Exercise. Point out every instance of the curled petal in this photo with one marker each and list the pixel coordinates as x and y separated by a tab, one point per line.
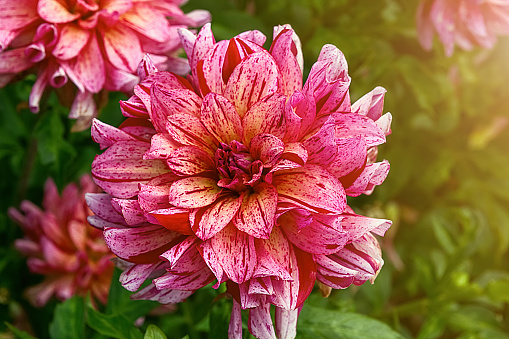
286	323
267	148
174	219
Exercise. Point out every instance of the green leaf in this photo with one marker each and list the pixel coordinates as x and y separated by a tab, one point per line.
120	302
317	323
220	319
19	333
68	320
154	332
112	325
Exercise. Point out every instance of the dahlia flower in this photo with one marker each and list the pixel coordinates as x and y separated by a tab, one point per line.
239	174
61	245
95	44
466	23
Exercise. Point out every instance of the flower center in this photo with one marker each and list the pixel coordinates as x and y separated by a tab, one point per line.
236	167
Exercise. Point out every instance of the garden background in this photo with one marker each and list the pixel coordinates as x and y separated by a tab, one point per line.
446	272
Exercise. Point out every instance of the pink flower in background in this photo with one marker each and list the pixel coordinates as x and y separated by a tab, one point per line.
240	176
465	23
95	44
61	245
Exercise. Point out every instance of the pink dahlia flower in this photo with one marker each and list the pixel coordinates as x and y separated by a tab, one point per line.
466	23
240	175
61	245
95	44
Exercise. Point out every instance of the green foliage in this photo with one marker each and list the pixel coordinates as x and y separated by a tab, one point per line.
316	322
69	320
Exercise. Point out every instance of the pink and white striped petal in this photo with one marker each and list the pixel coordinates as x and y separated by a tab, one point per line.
373	175
140	245
260	322
324	235
286	50
188	130
190	160
161	147
312	188
236	253
135	275
253	79
266	116
267	148
194	192
286	323
209	220
221	119
165	103
257	211
352	124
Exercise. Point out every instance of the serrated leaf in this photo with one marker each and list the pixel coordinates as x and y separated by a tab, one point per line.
154	332
69	320
317	323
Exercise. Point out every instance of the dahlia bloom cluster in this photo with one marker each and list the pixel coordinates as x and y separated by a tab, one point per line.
95	44
61	245
466	23
239	174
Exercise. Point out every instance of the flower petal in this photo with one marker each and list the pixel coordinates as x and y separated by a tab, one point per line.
286	323
220	118
174	219
190	160
260	322
267	148
324	235
188	130
122	47
287	52
55	12
254	78
140	245
165	103
257	212
71	42
353	124
16	15
312	188
194	192
266	116
209	220
236	253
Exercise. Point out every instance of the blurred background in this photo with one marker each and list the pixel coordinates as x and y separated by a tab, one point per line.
446	272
